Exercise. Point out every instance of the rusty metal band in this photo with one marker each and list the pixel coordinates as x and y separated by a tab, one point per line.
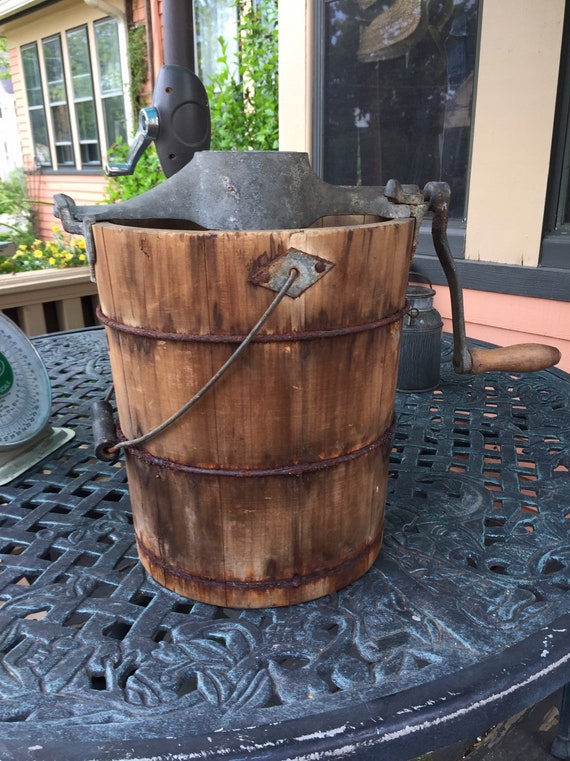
295	581
309	335
295	469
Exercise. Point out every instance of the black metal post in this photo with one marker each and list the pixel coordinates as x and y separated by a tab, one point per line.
178	31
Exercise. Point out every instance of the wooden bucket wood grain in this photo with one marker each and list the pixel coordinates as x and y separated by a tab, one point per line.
271	490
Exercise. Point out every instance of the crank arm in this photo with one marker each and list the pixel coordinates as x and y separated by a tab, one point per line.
523	358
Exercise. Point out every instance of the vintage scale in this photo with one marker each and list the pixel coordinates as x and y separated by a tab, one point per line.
26	437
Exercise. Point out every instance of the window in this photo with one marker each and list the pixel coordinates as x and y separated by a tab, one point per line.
36	107
57	98
395	92
83	96
66	76
111	79
556	245
212	21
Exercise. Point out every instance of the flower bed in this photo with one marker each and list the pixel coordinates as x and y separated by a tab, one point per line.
60	253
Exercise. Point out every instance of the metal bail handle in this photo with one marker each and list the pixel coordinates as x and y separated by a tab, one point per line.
107	446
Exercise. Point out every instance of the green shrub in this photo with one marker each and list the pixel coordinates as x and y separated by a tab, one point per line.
15	207
147	174
243	93
243	96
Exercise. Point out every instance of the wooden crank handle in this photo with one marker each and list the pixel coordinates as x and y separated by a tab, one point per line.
521	358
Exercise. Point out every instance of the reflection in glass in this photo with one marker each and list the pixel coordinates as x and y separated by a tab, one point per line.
110	79
212	21
82	85
36	109
398	92
53	61
115	125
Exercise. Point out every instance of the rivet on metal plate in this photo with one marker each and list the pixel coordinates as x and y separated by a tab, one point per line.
310	268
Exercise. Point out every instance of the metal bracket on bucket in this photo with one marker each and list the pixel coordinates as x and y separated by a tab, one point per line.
310	269
244	190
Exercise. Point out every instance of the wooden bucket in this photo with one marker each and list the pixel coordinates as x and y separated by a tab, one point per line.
271	490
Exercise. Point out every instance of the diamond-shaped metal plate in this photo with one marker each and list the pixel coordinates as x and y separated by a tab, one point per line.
310	267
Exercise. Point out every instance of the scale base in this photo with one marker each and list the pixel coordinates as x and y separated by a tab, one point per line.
14	462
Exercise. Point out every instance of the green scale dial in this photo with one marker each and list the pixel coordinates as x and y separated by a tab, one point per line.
25	405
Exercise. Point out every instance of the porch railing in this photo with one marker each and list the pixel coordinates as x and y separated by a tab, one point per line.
49	300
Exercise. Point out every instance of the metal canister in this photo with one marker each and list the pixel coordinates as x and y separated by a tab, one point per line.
420	352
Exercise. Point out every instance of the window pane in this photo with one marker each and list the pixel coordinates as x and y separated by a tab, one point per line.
82	85
32	75
36	109
90	153
111	80
54	70
53	61
78	48
115	123
40	137
86	120
212	21
107	37
398	90
60	119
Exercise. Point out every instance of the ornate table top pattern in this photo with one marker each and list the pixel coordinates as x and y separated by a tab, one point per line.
475	559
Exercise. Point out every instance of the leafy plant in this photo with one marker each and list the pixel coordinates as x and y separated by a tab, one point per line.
136	51
62	252
243	97
147	174
243	93
4	65
16	210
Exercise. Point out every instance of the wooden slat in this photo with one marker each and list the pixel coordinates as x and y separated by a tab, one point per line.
27	292
70	314
32	320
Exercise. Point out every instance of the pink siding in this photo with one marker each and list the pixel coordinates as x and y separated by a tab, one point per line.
504	320
84	189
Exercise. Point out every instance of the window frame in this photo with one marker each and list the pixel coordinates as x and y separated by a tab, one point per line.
555	249
81	160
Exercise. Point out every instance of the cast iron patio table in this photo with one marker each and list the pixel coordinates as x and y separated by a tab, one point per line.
462	621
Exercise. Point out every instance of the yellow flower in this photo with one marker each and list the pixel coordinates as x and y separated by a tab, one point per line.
51	260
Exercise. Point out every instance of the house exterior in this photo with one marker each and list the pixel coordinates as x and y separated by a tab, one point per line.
70	75
512	238
479	92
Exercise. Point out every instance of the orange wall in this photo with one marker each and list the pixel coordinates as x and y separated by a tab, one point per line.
504	320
